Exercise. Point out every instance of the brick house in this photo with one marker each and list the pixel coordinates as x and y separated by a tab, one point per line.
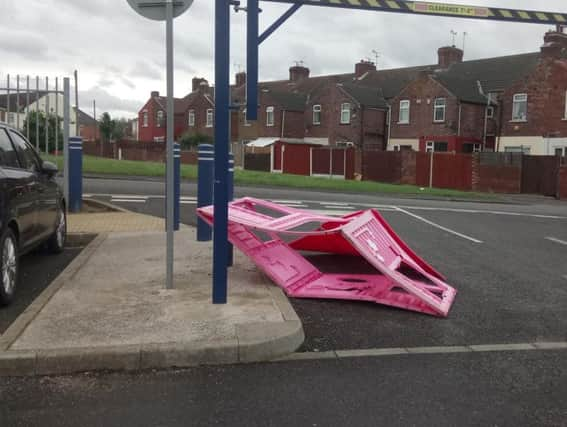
534	108
152	118
198	109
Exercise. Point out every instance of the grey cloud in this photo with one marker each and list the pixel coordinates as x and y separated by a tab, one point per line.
107	102
145	70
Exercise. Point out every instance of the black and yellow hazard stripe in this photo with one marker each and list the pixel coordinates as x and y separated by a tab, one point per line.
442	9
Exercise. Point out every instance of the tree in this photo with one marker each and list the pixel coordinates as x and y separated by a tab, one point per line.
120	129
32	118
107	127
188	141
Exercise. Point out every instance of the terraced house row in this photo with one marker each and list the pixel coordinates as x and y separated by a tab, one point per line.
512	103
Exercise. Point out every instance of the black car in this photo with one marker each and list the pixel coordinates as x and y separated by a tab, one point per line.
32	207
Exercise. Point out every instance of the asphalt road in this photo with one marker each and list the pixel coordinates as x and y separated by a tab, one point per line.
508	263
511	279
37	271
473	389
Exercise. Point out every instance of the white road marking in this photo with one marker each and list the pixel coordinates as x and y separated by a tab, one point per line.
339	207
333	212
335	203
129	200
284	202
187	202
553	239
448	230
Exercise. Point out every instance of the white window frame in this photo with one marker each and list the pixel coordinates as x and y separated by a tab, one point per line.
210	118
159	118
317	114
191	118
439	107
490	112
518	99
405	105
270	117
430	146
477	148
345	113
565	112
145	118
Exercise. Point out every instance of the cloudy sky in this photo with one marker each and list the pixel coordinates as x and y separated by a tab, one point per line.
120	56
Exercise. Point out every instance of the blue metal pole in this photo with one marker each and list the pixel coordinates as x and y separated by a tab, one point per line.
206	157
252	46
230	198
75	176
222	88
278	23
176	184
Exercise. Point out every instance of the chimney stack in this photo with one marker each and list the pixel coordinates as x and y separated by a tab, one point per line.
449	55
240	78
197	83
154	94
554	43
363	67
298	73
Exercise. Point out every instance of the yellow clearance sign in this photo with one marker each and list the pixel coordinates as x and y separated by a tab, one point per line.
450	9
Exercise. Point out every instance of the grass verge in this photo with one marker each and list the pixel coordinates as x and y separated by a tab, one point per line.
98	165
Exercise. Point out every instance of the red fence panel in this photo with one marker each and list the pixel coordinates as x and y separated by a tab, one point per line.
320	161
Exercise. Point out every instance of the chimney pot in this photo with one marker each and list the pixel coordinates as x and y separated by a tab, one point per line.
298	73
154	94
449	55
555	43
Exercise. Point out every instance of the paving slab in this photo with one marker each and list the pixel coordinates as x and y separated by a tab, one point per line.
113	312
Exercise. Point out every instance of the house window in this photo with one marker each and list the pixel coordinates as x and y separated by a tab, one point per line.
518	149
431	146
316	114
520	107
404	112
345	113
191	118
145	119
490	112
439	110
270	116
209	118
11	118
159	118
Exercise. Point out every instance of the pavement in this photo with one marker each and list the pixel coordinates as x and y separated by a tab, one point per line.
109	310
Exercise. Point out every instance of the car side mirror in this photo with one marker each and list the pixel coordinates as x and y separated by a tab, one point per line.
49	169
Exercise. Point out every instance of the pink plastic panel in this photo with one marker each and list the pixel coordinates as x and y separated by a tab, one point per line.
402	279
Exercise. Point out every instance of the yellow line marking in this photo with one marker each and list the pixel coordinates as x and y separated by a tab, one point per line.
354	2
374	3
524	15
393	4
506	13
559	18
542	16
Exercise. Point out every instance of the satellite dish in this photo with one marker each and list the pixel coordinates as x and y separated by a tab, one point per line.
155	9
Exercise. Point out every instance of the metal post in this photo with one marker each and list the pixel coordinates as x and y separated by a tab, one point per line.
75	177
8	99
222	86
205	171
252	60
230	198
76	103
95	122
18	101
431	168
177	184
47	115
169	133
66	108
28	107
37	113
57	116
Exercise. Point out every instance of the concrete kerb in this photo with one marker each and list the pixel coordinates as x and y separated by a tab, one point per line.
24	319
251	342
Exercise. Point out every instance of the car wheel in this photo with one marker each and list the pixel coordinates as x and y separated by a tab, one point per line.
56	242
9	267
